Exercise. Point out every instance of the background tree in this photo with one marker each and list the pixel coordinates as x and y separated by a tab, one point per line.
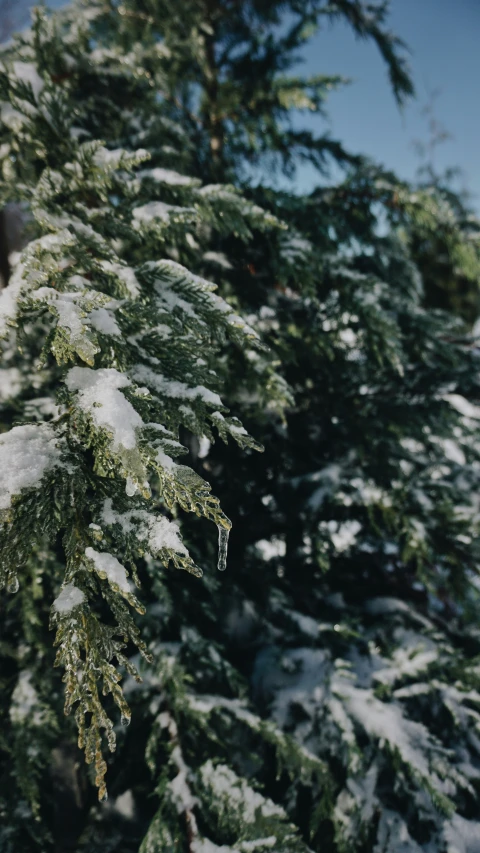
450	272
363	360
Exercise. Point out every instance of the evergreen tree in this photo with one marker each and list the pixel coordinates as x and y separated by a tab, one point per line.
109	350
323	694
362	480
449	267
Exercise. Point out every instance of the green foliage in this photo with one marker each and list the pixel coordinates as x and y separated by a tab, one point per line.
229	77
88	289
323	695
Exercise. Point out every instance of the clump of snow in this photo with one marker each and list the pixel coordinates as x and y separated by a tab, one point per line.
109	567
308	626
365	492
180	278
26	454
468	410
131	488
348	337
125	274
204	845
169	301
103	320
40	408
258	844
217	258
232	428
406	663
125	805
71	317
451	449
270	548
157	532
10	383
294	247
100	397
179	787
299	681
235	791
393	835
12	118
219	191
343	534
164	534
181	793
104	157
418	531
167	176
175	389
159	210
385	722
204	447
69	598
462	835
165	461
24	698
412	445
382	606
329	477
9	297
176	273
27	73
235	430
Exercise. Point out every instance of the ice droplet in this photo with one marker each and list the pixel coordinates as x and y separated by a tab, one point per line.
12	584
222	548
130	487
125	721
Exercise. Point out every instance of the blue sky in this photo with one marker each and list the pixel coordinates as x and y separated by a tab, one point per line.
444	39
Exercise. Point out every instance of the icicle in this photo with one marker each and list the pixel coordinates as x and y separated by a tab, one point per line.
222	548
12	584
130	487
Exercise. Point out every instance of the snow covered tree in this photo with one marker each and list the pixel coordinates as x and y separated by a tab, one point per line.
370	477
109	350
323	694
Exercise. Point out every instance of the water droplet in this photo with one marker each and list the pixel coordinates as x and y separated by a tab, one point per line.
125	720
222	548
130	487
12	584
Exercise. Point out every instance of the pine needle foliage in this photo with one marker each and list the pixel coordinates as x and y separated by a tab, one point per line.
324	695
233	75
362	519
112	348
